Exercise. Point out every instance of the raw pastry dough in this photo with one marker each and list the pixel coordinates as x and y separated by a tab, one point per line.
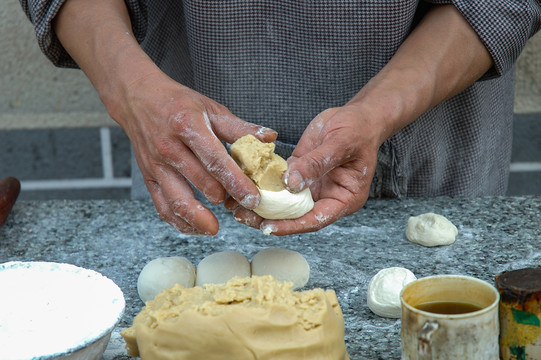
245	319
283	265
265	168
220	267
384	291
431	230
162	273
276	205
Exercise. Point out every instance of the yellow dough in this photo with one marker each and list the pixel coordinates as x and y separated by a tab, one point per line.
247	318
259	162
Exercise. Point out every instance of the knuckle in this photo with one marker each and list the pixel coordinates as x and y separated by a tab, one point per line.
181	120
319	163
165	148
179	208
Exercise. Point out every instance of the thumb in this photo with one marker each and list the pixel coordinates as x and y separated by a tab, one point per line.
303	171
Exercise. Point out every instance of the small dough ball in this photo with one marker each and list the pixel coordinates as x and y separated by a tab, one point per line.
384	291
163	273
220	267
278	205
283	265
431	230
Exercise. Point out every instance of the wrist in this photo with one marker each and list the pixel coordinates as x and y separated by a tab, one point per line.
391	100
98	36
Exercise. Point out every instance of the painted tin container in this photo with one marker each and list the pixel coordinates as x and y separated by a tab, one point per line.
520	314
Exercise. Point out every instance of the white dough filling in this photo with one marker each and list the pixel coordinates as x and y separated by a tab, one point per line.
276	205
163	273
220	267
283	265
431	230
384	291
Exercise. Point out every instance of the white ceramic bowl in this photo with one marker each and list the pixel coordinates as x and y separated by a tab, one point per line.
56	311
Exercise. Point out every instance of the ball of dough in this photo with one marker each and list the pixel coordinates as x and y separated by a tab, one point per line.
163	273
278	205
431	230
283	265
220	267
384	291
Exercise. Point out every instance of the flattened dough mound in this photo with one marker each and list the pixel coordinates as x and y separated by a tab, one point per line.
220	267
383	296
162	273
283	265
259	162
245	319
431	230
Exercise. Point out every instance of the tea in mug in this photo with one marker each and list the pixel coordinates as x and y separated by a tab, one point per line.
448	307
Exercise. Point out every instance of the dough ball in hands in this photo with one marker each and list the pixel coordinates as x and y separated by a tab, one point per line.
431	230
259	162
220	267
163	273
384	291
279	205
283	265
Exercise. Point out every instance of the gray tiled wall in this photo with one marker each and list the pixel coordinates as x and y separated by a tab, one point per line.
526	179
66	154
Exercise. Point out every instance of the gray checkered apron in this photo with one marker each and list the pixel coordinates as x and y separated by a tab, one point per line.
280	63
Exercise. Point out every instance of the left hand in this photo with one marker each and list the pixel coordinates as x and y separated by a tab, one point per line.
336	157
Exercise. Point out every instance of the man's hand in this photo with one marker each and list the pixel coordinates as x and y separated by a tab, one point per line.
337	153
176	133
336	157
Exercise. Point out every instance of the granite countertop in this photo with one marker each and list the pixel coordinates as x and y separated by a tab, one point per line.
117	238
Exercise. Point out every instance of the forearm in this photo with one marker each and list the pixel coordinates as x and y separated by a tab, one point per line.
98	36
440	58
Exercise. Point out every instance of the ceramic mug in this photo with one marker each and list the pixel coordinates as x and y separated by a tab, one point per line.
438	333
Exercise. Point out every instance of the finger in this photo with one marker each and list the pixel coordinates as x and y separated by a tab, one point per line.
230	203
304	170
324	213
214	157
312	135
186	163
229	128
183	205
247	217
165	213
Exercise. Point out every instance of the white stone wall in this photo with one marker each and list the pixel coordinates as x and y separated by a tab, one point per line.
33	93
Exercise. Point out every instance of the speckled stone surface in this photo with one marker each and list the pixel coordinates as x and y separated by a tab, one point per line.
117	238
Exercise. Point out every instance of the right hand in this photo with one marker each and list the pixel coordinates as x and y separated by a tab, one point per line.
175	133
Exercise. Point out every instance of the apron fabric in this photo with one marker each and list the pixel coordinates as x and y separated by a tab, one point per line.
280	63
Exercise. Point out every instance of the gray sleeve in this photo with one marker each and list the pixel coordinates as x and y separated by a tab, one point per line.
42	12
504	26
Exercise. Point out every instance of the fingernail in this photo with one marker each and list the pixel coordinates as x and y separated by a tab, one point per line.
250	201
293	180
265	131
268	229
